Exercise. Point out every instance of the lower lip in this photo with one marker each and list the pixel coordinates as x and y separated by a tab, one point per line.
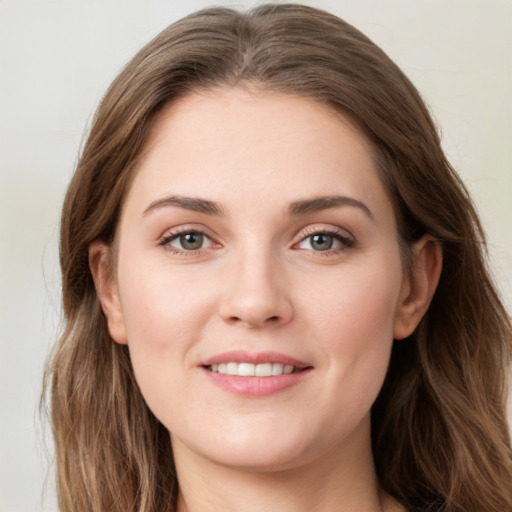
256	386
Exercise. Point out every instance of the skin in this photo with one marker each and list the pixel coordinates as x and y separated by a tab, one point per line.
259	283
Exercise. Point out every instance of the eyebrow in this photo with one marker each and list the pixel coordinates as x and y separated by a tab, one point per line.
300	207
316	204
195	204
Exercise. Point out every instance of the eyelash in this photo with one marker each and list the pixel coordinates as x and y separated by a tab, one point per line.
346	242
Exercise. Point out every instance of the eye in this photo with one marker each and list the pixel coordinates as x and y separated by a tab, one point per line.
319	242
187	241
324	241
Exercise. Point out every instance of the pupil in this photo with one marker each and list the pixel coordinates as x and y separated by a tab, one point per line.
321	242
191	241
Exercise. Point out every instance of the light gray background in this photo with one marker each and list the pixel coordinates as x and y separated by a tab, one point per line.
56	60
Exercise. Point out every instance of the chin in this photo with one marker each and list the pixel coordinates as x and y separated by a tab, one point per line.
258	459
256	450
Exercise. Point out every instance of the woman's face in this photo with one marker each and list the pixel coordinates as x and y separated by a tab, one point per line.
257	239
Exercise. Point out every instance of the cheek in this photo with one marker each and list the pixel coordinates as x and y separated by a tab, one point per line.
360	304
168	311
161	307
163	320
354	326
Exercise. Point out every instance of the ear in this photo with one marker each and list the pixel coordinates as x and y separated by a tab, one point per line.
100	258
419	286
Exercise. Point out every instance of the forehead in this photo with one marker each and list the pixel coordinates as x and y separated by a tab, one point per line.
277	146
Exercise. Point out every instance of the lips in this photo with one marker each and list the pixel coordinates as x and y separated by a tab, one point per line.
255	374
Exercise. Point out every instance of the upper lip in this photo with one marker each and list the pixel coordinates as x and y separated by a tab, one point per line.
241	356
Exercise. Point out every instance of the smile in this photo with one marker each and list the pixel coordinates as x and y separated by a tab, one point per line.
253	370
257	375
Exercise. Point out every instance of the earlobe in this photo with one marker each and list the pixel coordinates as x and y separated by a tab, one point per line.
106	288
419	287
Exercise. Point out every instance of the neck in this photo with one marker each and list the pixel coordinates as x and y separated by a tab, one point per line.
328	484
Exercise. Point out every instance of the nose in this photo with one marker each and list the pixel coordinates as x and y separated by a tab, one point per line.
256	293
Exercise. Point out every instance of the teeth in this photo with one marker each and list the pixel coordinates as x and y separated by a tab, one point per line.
277	369
252	370
288	369
263	370
231	368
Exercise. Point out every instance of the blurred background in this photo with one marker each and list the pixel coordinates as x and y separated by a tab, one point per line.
57	57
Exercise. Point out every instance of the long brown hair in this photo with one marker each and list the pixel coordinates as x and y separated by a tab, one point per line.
439	430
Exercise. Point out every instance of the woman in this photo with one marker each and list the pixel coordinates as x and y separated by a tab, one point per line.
274	286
